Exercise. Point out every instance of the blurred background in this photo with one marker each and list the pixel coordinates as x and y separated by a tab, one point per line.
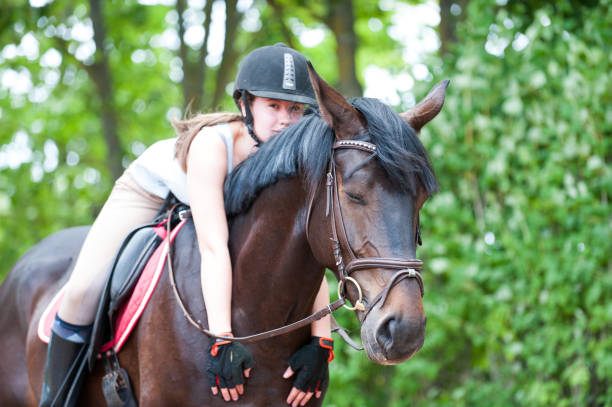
517	243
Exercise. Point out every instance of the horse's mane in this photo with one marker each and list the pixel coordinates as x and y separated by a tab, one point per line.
305	148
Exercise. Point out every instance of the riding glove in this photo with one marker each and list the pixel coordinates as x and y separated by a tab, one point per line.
226	363
310	363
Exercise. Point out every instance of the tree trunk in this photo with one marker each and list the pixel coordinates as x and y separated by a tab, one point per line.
341	20
101	76
204	51
278	13
448	23
194	69
191	94
228	62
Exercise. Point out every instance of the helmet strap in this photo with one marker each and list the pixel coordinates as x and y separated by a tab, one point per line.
248	119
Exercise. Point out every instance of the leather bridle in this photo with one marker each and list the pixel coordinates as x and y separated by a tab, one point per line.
405	268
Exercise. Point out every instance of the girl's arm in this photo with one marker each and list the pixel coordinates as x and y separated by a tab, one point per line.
321	327
206	171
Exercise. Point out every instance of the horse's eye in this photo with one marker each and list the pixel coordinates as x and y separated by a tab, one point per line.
355	198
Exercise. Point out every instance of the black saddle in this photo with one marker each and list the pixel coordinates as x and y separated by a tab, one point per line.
130	260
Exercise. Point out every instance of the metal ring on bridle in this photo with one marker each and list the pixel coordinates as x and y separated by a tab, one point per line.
359	303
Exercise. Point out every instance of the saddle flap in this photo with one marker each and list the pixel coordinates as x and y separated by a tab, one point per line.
130	260
130	263
128	294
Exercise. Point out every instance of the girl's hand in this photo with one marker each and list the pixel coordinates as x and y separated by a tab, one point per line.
227	366
311	364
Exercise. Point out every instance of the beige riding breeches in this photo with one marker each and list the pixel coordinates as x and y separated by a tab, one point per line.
127	207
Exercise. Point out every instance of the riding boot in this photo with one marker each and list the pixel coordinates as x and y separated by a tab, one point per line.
65	367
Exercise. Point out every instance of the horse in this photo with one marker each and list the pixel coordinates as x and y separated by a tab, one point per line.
344	184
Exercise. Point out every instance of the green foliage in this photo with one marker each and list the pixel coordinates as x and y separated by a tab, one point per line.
62	179
517	242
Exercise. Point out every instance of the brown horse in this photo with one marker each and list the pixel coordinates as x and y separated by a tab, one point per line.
285	203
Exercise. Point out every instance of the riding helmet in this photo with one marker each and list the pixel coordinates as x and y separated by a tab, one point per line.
276	72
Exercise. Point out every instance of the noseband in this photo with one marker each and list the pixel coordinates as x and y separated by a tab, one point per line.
405	268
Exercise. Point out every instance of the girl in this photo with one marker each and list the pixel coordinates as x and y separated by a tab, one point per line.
270	90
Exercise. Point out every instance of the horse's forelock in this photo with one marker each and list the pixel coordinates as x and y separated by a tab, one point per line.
305	149
399	150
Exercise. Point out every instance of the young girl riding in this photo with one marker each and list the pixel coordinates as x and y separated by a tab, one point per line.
270	90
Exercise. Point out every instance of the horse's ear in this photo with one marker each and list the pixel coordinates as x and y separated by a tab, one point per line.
346	121
428	108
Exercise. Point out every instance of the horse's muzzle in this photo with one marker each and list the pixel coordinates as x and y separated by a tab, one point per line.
392	338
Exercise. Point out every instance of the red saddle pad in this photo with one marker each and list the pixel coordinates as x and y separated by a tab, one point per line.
130	312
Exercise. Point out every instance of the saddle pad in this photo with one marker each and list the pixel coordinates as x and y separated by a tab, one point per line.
132	309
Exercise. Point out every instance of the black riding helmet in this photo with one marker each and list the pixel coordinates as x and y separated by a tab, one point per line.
276	72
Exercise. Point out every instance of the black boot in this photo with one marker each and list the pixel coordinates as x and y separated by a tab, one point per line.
64	372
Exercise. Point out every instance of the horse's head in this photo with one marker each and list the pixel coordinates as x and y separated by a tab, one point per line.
378	179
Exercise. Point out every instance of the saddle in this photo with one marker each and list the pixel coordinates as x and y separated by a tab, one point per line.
132	257
139	252
134	274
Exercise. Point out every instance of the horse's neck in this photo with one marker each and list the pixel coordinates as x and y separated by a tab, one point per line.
275	275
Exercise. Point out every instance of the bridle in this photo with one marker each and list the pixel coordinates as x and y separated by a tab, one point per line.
405	268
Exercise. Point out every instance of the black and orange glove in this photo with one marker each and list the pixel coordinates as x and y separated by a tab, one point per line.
311	362
226	363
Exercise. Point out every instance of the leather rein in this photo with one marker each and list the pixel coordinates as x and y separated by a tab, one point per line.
406	268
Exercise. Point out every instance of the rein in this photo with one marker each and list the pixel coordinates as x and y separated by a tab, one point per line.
244	339
406	268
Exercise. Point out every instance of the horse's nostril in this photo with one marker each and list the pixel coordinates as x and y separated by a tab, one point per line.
385	332
399	338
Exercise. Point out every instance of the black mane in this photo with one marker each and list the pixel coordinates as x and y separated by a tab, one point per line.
305	148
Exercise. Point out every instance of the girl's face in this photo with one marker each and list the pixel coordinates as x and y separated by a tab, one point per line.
270	116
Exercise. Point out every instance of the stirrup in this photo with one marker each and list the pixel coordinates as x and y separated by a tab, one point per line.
116	384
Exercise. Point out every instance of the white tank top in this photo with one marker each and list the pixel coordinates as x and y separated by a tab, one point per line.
157	170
